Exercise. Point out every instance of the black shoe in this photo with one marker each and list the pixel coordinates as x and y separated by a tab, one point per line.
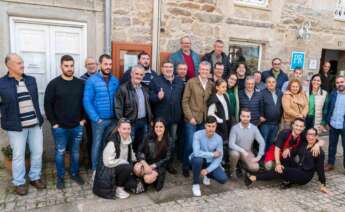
285	185
239	172
172	170
247	180
60	183
77	179
185	173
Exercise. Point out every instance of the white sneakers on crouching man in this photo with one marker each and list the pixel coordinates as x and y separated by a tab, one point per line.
121	193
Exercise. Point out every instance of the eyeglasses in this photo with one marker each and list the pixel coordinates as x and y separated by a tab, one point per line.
124	120
276	64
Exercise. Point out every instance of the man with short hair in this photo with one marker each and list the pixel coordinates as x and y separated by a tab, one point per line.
181	72
207	156
217	55
336	121
99	103
21	118
64	110
272	111
251	99
276	72
218	72
194	105
132	102
297	74
165	95
241	141
259	85
91	68
144	59
186	55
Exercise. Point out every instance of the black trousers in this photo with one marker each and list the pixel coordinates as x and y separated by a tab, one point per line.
122	174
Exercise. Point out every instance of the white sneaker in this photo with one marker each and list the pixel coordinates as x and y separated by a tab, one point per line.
92	178
196	190
206	181
121	193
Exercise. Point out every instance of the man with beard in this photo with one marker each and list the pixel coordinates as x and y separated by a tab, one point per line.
144	60
275	72
64	111
336	121
99	103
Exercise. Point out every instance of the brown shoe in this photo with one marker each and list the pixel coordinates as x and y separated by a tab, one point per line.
38	184
21	190
329	167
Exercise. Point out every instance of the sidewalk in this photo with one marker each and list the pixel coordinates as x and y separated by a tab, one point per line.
177	196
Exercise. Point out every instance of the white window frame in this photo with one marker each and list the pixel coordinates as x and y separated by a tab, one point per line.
249	44
252	3
340	5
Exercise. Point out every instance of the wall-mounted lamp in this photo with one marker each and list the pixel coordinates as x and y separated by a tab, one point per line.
303	33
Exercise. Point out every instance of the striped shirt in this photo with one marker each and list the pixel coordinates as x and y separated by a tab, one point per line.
27	111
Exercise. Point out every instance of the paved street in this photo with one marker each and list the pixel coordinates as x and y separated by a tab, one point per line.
177	196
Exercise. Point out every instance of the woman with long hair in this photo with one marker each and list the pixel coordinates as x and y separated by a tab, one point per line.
295	103
317	104
241	71
154	155
233	97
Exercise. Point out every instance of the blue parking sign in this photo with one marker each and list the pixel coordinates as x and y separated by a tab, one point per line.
297	60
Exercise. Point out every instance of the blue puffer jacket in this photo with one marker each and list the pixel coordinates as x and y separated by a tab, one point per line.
177	58
98	98
9	107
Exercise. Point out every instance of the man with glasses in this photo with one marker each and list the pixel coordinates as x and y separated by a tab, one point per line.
276	72
186	55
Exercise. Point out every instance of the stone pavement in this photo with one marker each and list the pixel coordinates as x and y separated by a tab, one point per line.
177	196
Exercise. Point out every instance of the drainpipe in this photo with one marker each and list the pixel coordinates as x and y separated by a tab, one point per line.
156	25
107	26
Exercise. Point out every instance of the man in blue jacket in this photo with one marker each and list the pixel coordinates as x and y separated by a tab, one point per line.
336	121
276	72
22	119
98	103
186	55
166	96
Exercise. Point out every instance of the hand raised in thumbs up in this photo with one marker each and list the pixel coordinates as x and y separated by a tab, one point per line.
161	94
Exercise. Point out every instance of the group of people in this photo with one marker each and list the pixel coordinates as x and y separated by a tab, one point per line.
218	119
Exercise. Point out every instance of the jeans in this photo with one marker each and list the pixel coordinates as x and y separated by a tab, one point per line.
190	129
199	163
34	137
67	137
333	143
98	130
139	130
269	133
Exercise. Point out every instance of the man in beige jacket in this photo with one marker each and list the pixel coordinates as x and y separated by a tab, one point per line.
195	96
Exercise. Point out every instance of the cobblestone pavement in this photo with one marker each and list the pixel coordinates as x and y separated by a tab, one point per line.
177	196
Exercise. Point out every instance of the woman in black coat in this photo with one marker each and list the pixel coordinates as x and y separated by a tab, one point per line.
154	155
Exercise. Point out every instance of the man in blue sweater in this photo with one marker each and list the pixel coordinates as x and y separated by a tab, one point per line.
207	156
98	103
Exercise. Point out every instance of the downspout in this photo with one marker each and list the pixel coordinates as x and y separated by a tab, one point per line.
156	25
107	26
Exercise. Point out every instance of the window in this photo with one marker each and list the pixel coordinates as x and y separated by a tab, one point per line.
339	12
261	3
246	52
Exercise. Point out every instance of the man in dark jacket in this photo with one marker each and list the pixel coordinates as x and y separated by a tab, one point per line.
22	119
217	55
272	111
144	59
251	99
132	102
166	96
276	72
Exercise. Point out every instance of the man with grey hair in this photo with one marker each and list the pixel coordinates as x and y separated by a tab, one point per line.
186	55
194	105
251	99
22	119
91	68
132	102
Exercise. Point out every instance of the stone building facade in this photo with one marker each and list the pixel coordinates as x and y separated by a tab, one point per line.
264	28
